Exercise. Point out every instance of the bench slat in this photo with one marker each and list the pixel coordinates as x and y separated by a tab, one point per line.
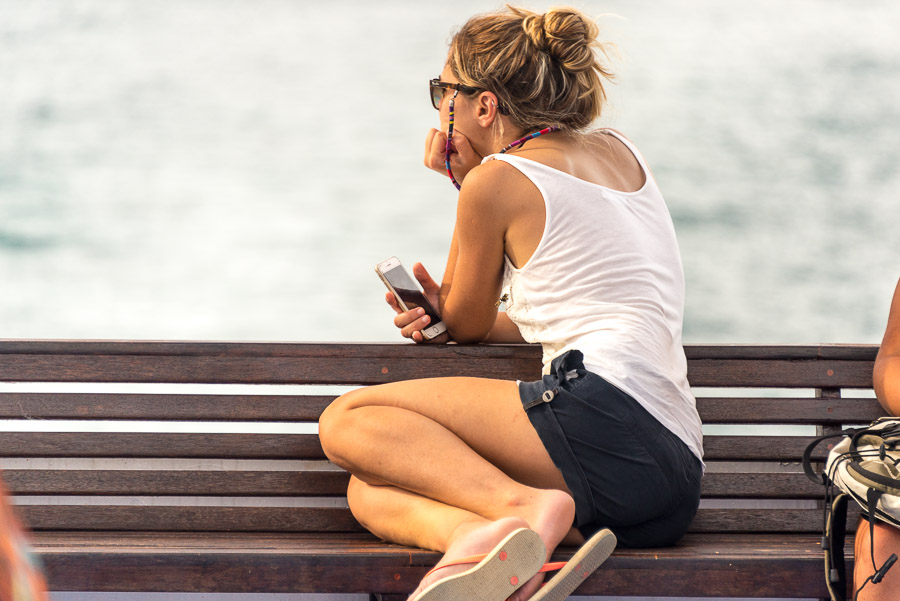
283	363
328	480
290	408
228	483
306	446
821	411
188	518
337	519
701	565
164	407
237	363
765	520
156	444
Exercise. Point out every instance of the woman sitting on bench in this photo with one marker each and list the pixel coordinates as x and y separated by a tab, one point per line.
572	225
887	538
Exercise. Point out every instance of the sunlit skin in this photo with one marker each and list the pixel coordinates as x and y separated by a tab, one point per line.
887	538
460	465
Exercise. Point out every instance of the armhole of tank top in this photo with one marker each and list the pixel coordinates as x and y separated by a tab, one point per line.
648	177
509	160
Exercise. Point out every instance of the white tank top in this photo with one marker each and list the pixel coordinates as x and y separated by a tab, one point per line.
606	279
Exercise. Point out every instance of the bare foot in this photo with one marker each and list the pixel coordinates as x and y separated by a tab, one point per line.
551	516
470	538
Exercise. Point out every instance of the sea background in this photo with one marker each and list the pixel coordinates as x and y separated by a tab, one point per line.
233	169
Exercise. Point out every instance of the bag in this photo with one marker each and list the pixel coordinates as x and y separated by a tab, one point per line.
864	467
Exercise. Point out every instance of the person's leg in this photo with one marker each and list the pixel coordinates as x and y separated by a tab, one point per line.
887	541
436	456
407	518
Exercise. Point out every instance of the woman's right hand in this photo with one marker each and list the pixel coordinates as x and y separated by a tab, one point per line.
463	157
412	322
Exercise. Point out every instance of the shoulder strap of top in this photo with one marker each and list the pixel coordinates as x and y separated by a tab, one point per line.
632	148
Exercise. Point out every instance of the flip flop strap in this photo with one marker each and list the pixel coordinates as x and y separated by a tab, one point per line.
547	567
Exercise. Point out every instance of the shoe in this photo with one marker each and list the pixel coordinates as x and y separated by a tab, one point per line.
572	573
496	576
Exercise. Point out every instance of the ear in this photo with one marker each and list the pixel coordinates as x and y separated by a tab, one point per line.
486	107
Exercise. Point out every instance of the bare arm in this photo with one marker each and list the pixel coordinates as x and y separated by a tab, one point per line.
887	364
504	331
487	204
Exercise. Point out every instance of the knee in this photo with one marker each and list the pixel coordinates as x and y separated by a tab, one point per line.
336	429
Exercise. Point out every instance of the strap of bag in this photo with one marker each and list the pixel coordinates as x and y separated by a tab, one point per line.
807	457
833	545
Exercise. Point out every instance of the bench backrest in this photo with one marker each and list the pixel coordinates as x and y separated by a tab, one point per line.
217	437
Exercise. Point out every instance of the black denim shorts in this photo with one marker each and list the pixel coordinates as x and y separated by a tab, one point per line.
626	471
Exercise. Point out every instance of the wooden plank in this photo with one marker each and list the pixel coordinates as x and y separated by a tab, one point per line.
210	518
160	444
290	408
844	352
760	485
253	363
764	520
327	481
774	373
306	446
98	361
791	352
175	518
174	407
701	565
815	411
225	483
762	448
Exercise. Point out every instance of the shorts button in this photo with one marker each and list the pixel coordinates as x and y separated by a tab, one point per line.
548	396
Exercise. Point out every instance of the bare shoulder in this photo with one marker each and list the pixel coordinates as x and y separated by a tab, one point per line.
496	183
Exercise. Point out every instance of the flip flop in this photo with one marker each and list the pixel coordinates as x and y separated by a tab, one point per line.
570	573
496	576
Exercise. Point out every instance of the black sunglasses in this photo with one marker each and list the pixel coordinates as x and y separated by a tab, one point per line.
436	89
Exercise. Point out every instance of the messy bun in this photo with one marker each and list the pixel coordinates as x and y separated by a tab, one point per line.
544	69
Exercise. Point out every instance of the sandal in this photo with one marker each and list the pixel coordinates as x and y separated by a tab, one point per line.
496	576
571	573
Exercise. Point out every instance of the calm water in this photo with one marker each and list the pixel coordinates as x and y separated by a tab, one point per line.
203	169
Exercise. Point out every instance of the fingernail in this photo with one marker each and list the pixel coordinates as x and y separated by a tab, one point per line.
420	311
426	319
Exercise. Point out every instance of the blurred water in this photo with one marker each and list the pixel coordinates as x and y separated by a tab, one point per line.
210	169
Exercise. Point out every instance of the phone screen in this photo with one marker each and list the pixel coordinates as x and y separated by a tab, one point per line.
408	292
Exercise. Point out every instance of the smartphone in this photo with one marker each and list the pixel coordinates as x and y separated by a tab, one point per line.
408	294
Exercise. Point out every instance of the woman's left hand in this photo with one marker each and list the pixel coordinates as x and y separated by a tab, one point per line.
463	157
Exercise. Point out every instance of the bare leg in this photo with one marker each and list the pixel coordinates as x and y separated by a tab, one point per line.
462	444
887	541
411	519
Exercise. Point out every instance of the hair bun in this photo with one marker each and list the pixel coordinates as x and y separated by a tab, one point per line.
565	35
533	24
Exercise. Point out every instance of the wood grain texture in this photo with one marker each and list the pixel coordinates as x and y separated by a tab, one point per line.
142	518
223	483
700	565
164	407
307	446
789	411
326	480
283	363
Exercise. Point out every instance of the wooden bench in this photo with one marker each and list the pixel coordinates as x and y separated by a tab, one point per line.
257	508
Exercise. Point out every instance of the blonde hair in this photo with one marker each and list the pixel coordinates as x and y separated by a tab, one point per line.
544	69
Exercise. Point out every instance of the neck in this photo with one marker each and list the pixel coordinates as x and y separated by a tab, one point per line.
518	142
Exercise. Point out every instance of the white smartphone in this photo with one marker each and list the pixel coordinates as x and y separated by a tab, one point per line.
408	294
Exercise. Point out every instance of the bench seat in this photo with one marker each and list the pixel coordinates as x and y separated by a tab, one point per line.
714	565
196	467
